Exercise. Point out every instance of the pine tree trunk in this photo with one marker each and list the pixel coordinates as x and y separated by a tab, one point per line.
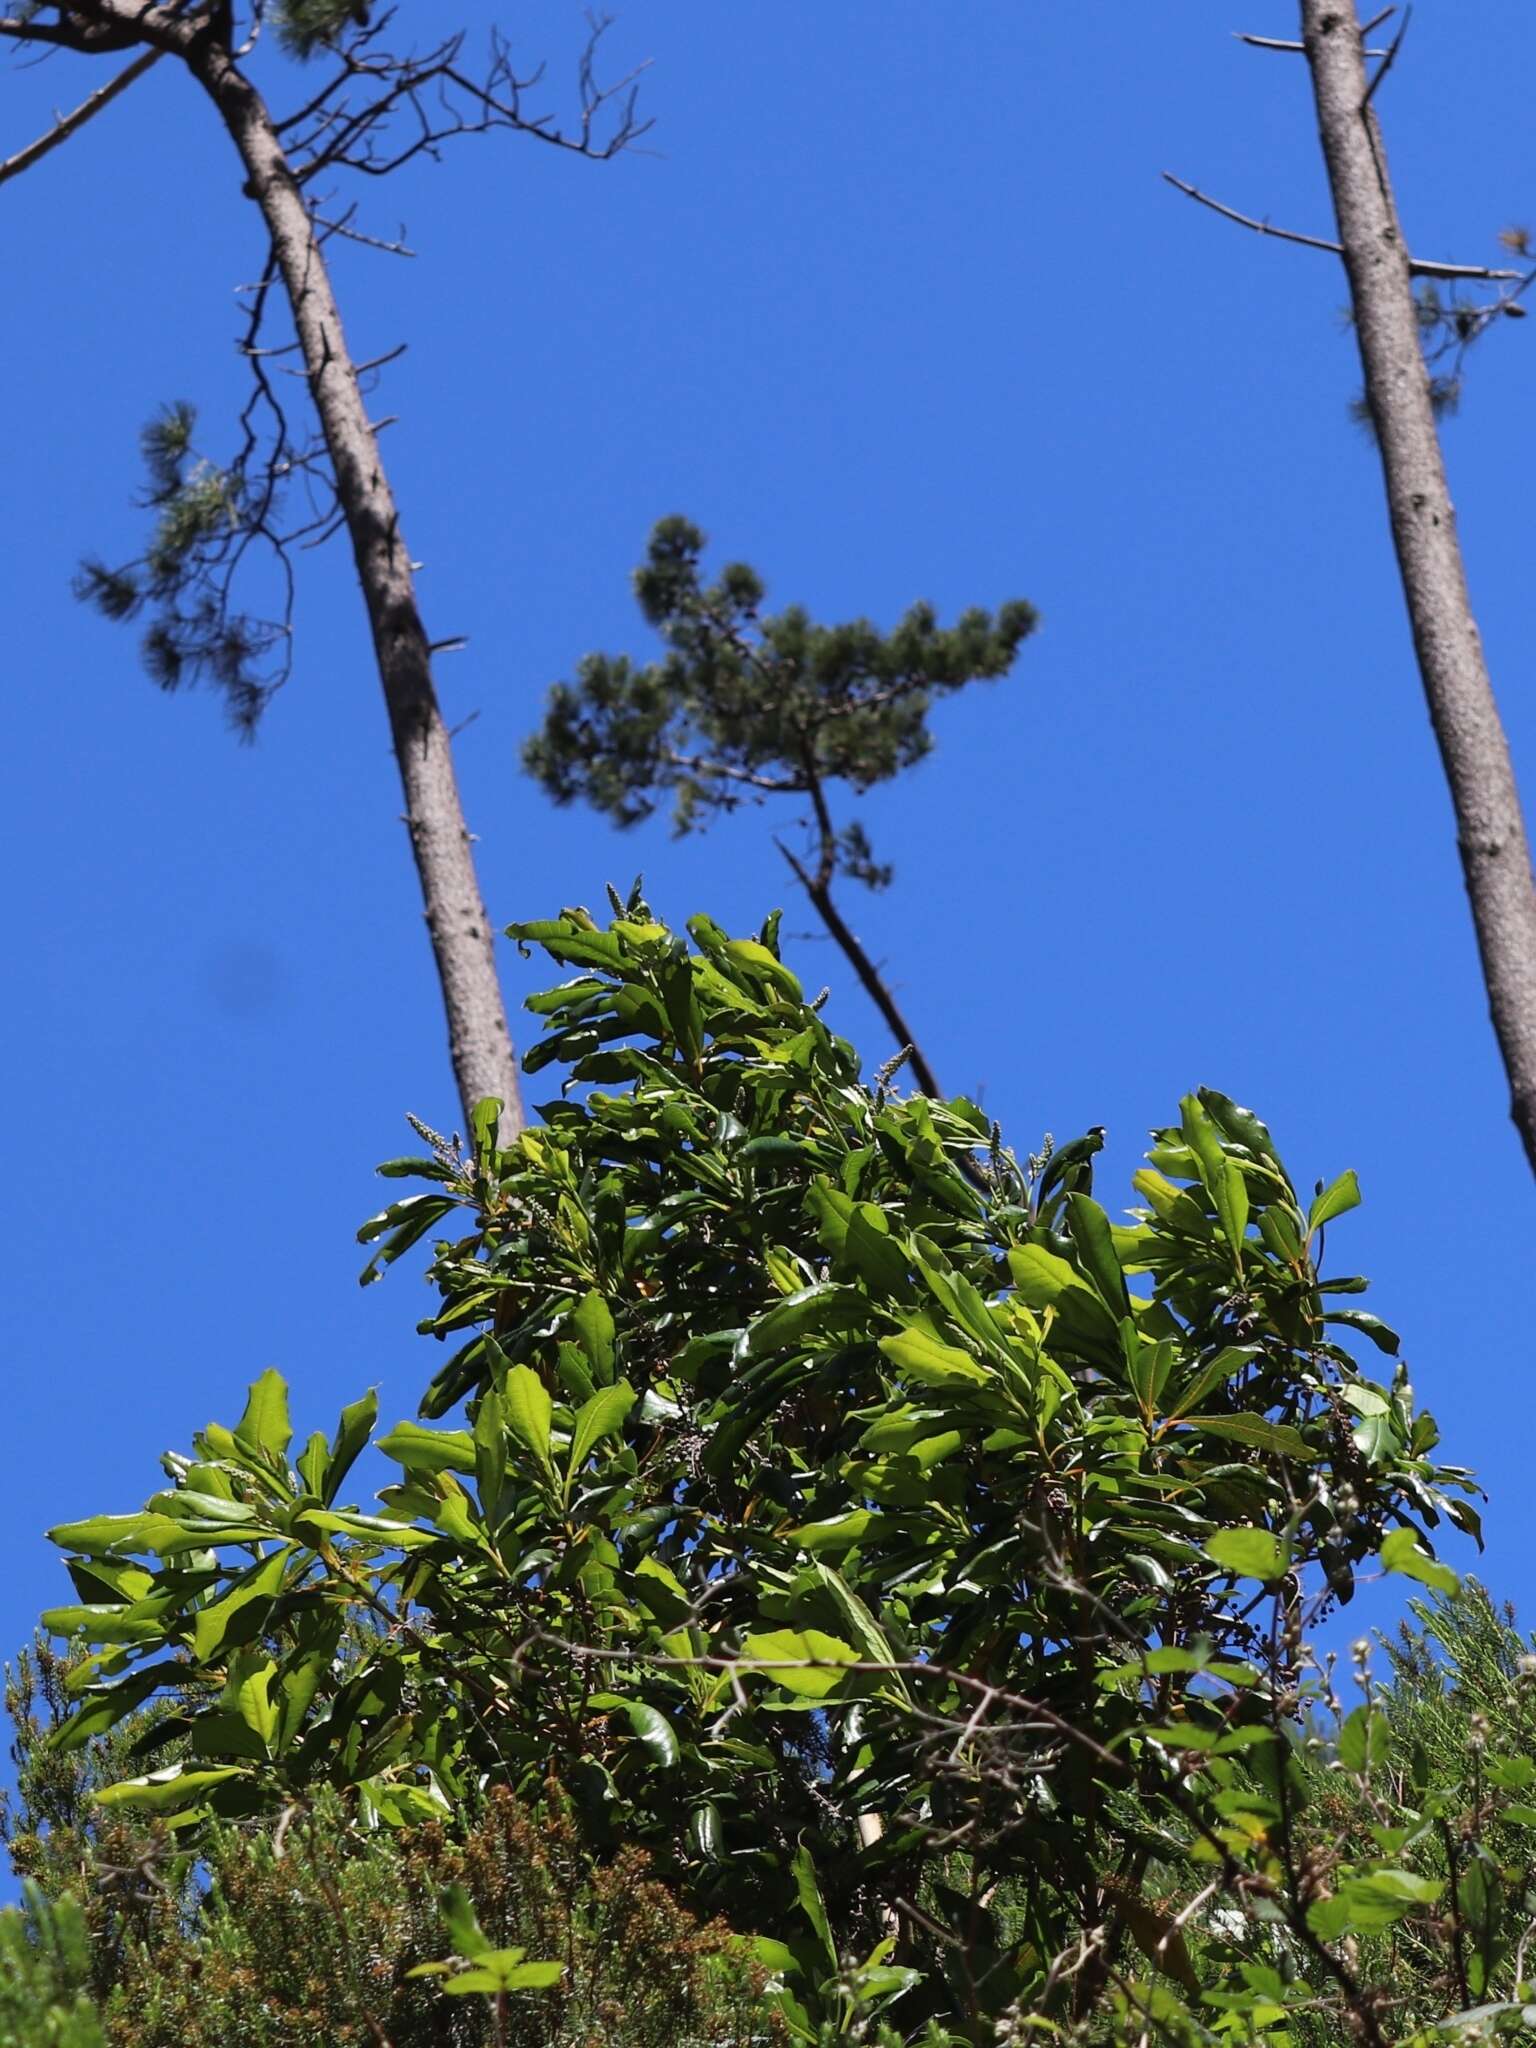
480	1043
1495	855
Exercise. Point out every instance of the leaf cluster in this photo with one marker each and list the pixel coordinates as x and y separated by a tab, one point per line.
841	1508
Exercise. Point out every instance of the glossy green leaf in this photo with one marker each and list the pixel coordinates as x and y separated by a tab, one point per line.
923	1358
811	1312
352	1434
133	1621
1363	1739
812	1905
168	1791
240	1613
1226	1365
265	1426
1381	1335
1370	1903
765	965
840	1533
799	1660
1250	1553
250	1694
1279	1438
878	1259
591	1323
1231	1198
429	1450
1094	1240
401	1225
653	1731
1401	1552
1335	1200
462	1924
1240	1125
127	1535
706	1832
312	1462
530	1412
1204	1142
102	1711
603	1416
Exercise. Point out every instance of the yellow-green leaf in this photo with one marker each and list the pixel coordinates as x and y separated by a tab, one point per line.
529	1411
803	1659
923	1358
265	1426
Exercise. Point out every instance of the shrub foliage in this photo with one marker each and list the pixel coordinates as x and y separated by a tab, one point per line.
909	1561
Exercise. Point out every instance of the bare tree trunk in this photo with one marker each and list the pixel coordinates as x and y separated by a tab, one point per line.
1495	856
480	1043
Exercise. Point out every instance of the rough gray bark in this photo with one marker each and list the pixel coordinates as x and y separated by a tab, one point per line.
480	1043
1495	855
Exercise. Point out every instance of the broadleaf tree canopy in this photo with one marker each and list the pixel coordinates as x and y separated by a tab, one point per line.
834	1493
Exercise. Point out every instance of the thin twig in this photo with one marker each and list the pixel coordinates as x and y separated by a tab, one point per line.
1279	43
1388	60
865	968
1417	266
351	234
69	124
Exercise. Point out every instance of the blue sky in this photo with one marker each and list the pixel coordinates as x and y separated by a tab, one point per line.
898	308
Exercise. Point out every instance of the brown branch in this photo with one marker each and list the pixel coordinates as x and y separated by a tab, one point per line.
1417	266
696	764
69	124
1388	60
1036	1716
111	25
869	975
39	32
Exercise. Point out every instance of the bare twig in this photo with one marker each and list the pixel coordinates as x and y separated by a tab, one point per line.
1388	60
869	975
1279	43
344	228
1417	266
70	124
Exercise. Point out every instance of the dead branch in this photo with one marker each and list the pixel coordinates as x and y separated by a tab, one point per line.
1388	60
1279	43
1417	266
70	124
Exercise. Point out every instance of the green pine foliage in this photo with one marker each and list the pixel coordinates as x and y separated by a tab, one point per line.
202	525
45	1963
305	27
745	705
321	1932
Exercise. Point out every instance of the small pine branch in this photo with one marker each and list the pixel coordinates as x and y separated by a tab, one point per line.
307	26
202	524
745	706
